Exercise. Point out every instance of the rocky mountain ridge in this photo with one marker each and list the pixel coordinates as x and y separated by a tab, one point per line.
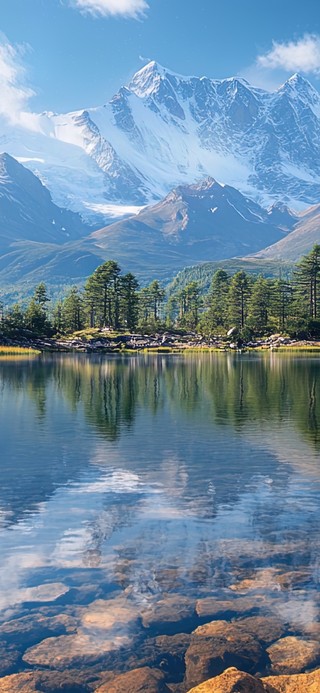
163	130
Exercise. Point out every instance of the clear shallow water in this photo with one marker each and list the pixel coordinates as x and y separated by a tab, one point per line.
131	488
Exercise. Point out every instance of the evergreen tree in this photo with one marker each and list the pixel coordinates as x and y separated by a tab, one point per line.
40	295
280	303
217	301
238	297
171	311
128	301
151	299
72	311
102	295
157	295
307	277
36	318
258	306
14	319
191	306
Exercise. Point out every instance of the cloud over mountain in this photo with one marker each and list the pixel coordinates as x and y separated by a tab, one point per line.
302	55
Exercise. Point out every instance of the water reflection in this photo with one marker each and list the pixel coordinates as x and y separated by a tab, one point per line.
127	483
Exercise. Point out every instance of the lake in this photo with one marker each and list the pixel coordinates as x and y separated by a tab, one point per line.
144	496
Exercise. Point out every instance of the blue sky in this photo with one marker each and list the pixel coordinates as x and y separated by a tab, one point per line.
67	54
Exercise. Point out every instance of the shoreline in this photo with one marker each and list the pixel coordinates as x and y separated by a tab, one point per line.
169	342
127	344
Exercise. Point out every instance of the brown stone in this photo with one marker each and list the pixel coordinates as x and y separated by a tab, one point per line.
266	629
172	608
42	682
264	578
217	645
231	681
298	683
211	607
234	681
272	579
143	680
293	655
48	592
76	650
293	579
30	629
9	658
165	652
105	626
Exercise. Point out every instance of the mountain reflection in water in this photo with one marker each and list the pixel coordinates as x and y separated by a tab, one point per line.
128	484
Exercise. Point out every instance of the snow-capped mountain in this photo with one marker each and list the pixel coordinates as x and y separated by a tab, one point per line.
27	212
164	130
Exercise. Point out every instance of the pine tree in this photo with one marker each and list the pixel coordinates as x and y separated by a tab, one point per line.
102	295
280	300
238	297
128	301
151	299
258	306
217	301
72	311
36	318
307	278
191	306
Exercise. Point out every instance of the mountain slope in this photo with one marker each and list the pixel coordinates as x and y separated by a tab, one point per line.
164	130
306	232
196	223
27	211
192	224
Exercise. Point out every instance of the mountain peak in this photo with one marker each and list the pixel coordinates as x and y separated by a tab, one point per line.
147	79
299	85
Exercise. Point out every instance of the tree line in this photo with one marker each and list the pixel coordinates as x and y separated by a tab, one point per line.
254	305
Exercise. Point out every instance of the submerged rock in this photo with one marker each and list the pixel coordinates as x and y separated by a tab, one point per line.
172	608
216	645
262	579
43	682
47	592
292	655
209	606
143	680
30	629
9	657
266	629
165	652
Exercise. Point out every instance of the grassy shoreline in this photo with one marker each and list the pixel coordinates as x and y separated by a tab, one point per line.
18	351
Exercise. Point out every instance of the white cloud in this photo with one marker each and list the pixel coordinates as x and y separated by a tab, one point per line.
302	55
15	94
107	8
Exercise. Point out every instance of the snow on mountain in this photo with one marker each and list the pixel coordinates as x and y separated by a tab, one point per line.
27	212
164	130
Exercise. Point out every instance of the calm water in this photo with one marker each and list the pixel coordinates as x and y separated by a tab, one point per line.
133	487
